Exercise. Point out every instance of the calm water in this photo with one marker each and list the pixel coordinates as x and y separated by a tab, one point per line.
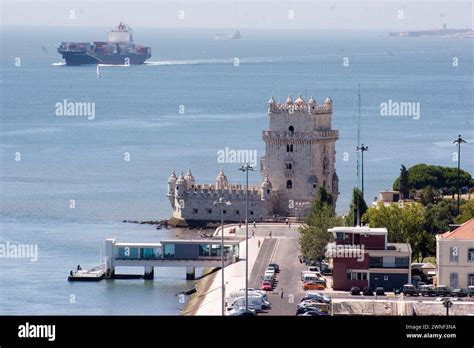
137	112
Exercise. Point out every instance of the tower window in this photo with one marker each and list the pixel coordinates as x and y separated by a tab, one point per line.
291	129
289	184
288	166
289	148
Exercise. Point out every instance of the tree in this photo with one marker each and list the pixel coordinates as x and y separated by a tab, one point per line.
404	183
357	201
404	223
314	235
439	216
440	178
466	212
429	195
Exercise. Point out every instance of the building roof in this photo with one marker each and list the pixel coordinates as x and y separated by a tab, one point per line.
360	229
463	232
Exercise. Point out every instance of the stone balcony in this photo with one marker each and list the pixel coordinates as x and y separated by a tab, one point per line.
309	136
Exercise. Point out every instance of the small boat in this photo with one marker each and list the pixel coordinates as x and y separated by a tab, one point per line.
87	275
234	36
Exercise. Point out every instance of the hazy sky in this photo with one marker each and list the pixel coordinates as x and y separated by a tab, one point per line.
275	14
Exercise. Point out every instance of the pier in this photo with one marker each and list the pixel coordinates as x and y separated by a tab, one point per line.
186	253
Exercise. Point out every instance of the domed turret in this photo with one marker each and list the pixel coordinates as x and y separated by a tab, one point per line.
181	185
328	100
221	181
299	100
190	179
172	183
271	100
266	187
289	101
312	100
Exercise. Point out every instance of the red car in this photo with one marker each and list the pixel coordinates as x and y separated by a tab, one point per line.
267	286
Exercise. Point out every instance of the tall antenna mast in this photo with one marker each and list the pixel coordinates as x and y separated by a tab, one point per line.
358	136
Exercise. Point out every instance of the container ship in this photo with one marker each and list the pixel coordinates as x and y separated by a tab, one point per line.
118	50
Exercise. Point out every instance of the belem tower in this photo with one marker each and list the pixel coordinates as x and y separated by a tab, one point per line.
300	157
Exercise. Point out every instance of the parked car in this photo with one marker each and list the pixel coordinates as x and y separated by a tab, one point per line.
442	290
275	266
355	290
269	278
256	301
420	284
312	313
379	291
267	286
315	296
459	292
313	269
470	290
409	290
313	286
303	310
426	290
367	291
251	292
241	312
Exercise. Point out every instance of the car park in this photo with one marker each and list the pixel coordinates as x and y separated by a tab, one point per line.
355	290
459	292
367	291
380	291
409	290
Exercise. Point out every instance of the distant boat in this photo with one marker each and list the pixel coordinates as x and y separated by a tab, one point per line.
444	32
118	50
234	36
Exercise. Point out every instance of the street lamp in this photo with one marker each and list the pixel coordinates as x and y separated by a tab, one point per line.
459	141
447	304
222	203
362	149
246	169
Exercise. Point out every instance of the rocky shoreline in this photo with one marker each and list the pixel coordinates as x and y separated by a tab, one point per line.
176	223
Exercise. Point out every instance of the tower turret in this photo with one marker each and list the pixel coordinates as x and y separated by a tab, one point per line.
190	181
221	181
181	186
266	188
172	183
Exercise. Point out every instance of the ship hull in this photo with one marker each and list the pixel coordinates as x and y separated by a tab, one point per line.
83	58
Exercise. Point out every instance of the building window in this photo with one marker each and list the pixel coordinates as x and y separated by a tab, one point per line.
470	255
268	191
470	279
224	211
195	211
291	129
314	185
453	254
401	262
288	166
385	278
251	212
209	211
237	212
289	148
358	276
453	280
375	262
289	184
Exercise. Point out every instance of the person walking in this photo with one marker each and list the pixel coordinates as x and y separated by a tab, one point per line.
281	293
270	234
258	243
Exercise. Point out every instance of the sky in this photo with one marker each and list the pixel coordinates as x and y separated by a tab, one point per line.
242	14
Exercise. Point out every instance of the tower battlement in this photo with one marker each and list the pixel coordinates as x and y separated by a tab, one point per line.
300	106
